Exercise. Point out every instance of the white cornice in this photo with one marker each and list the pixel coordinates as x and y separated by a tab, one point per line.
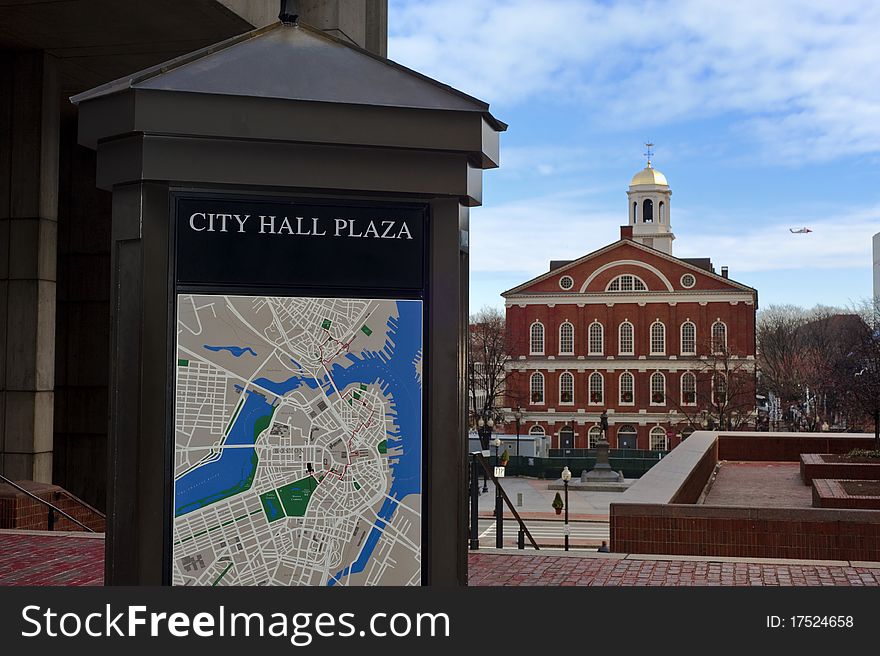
612	298
682	363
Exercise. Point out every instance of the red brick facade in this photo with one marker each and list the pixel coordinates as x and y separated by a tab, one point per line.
655	294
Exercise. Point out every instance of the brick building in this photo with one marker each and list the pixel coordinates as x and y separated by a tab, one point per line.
664	344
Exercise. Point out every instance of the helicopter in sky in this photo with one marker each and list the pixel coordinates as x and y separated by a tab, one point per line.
799	231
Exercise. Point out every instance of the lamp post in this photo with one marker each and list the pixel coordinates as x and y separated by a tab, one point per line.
517	418
499	505
485	424
566	477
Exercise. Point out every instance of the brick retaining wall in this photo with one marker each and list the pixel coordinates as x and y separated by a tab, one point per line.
813	466
809	533
19	511
787	447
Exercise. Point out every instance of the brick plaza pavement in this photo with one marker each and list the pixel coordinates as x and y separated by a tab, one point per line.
44	558
41	558
555	569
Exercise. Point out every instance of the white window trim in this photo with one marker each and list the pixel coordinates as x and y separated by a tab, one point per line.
620	350
656	432
593	429
543	338
620	389
712	336
627	291
590	389
636	263
651	387
651	338
681	280
563	324
714	377
590	350
561	402
543	433
543	400
681	388
681	337
570	287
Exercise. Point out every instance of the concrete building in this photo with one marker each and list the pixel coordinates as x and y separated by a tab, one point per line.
55	223
664	344
877	269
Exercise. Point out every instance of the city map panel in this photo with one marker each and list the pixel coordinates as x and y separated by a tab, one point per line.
298	441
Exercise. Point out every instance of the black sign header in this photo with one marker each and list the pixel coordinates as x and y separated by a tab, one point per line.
258	242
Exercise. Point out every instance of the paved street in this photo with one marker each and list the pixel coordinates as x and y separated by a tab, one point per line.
537	498
548	534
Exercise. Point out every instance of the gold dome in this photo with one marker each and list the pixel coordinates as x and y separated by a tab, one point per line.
649	176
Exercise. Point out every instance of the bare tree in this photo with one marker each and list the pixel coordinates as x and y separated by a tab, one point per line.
861	377
801	357
488	353
723	397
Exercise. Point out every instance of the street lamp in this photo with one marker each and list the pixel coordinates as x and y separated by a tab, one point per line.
517	417
485	424
566	477
499	505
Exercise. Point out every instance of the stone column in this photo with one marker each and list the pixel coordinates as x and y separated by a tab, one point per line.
29	124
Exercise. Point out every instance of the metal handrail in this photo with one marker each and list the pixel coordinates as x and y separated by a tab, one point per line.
45	503
522	525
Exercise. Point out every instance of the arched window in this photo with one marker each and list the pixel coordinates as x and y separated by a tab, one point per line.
626	437
597	388
566	339
537	430
635	212
688	389
659	441
719	388
625	338
596	339
627	283
658	338
627	384
648	211
658	388
661	212
688	338
536	387
593	437
536	341
719	337
566	388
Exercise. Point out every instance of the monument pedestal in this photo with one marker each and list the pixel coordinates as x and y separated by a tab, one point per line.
601	471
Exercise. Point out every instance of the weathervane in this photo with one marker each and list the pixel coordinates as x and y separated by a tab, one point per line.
649	154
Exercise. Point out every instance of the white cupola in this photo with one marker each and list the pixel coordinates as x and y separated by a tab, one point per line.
649	208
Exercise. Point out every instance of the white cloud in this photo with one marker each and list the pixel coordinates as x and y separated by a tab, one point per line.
798	77
521	237
839	241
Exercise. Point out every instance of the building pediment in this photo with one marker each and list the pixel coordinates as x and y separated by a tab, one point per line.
625	267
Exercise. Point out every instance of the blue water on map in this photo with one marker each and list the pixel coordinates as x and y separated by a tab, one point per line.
237	351
393	369
231	471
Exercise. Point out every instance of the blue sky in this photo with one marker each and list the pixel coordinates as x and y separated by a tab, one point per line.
765	116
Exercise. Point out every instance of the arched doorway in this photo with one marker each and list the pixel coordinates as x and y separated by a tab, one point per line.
566	438
626	437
